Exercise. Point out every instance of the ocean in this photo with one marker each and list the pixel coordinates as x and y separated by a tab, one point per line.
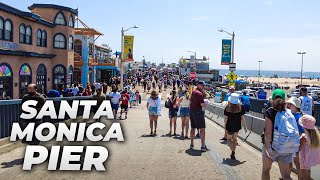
281	74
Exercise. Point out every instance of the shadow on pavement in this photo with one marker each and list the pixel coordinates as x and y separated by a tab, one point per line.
179	138
12	163
193	152
231	162
148	135
166	135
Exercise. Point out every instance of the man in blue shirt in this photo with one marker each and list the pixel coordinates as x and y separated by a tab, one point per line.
245	100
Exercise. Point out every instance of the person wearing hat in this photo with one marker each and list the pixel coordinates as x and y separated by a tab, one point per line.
309	147
231	90
270	155
234	118
197	118
294	105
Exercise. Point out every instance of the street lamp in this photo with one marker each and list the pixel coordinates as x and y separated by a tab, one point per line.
122	56
195	54
302	53
259	71
232	50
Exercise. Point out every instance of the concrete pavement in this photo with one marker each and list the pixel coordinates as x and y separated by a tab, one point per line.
161	157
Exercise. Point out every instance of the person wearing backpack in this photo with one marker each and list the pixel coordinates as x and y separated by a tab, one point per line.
310	146
281	137
171	103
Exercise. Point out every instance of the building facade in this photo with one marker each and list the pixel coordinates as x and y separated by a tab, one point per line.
36	47
92	62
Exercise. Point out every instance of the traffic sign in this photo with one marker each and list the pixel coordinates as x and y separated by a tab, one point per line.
232	77
232	67
193	75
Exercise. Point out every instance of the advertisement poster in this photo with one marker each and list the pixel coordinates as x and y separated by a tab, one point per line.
128	48
226	52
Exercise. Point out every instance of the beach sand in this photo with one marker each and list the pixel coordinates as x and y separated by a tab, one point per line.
292	83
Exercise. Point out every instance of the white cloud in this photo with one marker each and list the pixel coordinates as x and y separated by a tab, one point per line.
200	18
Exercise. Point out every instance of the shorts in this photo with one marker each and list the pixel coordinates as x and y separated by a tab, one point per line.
173	113
124	107
153	111
115	106
184	112
278	157
197	119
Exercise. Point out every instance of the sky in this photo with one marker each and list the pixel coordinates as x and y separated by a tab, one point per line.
269	30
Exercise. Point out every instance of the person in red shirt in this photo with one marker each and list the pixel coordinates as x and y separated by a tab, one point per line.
197	118
125	97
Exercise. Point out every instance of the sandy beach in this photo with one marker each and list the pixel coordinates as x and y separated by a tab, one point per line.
292	83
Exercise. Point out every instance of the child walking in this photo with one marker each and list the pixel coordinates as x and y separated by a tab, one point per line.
309	146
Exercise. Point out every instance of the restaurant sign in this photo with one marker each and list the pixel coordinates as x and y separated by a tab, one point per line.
8	45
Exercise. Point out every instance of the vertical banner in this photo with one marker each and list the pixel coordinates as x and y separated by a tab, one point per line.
226	52
128	48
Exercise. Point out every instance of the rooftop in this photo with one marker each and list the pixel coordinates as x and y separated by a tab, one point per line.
75	11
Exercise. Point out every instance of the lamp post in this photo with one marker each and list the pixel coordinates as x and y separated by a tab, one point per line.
302	53
122	56
259	71
232	45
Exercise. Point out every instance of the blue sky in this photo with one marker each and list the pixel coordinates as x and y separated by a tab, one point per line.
268	30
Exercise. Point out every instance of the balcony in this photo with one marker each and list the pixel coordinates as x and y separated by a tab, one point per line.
78	60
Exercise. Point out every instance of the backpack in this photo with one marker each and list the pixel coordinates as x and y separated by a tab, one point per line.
168	103
286	137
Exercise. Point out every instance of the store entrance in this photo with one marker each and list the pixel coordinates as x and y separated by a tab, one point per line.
106	75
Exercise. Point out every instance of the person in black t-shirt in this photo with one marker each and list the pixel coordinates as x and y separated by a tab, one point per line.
234	117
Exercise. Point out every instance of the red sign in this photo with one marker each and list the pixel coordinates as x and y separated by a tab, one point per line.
193	75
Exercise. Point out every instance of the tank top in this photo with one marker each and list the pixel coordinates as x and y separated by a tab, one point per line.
306	104
185	103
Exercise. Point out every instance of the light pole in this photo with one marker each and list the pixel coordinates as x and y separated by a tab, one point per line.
232	45
259	71
122	56
302	53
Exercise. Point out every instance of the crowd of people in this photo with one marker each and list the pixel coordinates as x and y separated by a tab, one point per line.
290	135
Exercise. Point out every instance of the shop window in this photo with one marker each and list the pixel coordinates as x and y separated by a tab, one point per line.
6	81
42	79
70	44
59	41
71	22
8	30
60	19
59	77
25	78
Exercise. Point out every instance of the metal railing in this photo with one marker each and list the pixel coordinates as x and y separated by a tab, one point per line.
10	111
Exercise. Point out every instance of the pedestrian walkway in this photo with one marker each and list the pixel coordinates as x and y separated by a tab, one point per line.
142	156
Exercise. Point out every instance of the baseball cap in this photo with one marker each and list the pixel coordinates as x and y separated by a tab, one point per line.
202	83
278	93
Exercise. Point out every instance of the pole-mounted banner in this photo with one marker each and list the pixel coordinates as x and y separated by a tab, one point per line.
128	48
226	52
